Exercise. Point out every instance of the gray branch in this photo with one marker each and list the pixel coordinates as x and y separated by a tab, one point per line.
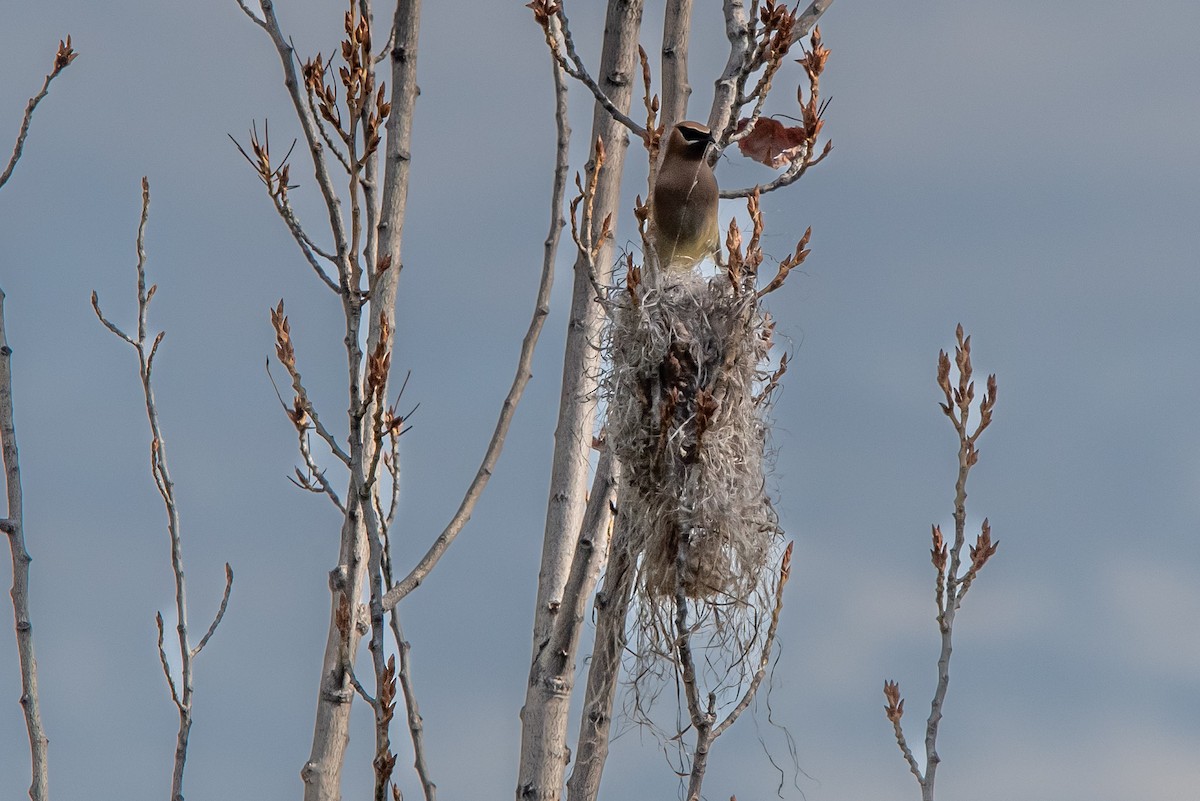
573	65
181	693
62	60
544	719
524	373
13	526
677	30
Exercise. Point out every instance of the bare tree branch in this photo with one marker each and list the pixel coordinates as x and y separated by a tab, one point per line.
62	59
361	690
701	721
308	123
793	173
604	667
13	526
220	612
181	694
809	17
287	357
894	711
544	721
739	30
416	724
253	17
367	246
947	558
677	30
166	667
573	65
13	523
523	373
785	571
307	246
745	57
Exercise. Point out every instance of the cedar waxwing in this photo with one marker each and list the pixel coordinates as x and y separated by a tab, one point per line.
684	210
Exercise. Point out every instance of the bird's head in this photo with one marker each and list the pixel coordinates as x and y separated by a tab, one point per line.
690	139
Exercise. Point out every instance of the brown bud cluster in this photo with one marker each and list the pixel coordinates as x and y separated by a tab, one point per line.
365	104
959	397
653	135
789	263
385	760
778	25
895	704
283	338
276	179
742	267
379	362
776	379
65	55
543	10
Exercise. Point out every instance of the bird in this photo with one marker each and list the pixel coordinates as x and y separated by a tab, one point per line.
684	207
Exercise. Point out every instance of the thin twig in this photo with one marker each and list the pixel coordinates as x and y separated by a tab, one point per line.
702	719
895	711
785	571
308	123
741	29
416	724
181	693
284	346
578	70
358	688
317	474
316	115
62	60
307	246
793	173
386	50
300	417
947	558
162	658
523	374
253	17
809	17
13	523
220	612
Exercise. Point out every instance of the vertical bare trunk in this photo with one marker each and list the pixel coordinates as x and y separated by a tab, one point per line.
397	159
677	31
544	716
12	526
612	608
322	773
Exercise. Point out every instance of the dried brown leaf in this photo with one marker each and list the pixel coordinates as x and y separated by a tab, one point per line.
772	143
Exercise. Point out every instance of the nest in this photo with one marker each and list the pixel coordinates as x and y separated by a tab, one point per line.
687	391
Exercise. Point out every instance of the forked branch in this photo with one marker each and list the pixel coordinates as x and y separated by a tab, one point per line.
552	17
181	691
524	371
951	583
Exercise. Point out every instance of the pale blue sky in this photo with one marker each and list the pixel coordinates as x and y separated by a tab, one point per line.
1028	169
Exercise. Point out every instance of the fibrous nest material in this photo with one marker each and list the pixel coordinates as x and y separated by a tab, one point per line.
687	392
